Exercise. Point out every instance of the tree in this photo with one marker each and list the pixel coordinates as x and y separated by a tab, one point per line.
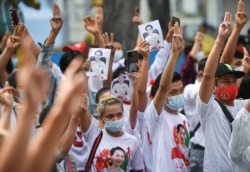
118	19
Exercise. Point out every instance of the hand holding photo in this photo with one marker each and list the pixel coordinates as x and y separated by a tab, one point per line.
99	63
152	33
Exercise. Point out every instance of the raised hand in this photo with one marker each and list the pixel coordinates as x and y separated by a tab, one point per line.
71	89
144	49
86	65
178	43
99	16
199	37
225	27
13	42
4	40
170	33
56	21
108	40
246	61
137	18
91	25
240	16
6	95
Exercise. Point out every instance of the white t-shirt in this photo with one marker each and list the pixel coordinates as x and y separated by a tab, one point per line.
167	156
217	132
146	142
190	94
79	150
133	154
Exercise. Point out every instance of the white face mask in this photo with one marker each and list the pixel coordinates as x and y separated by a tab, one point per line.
118	55
200	55
238	68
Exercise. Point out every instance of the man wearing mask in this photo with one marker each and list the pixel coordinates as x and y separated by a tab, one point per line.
220	79
163	115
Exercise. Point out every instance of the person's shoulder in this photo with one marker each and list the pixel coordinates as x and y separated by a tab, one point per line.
181	115
130	137
240	102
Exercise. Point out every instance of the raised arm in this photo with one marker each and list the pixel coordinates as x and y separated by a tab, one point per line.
134	100
207	83
245	65
138	21
167	75
142	83
13	42
188	73
91	26
6	100
240	21
56	23
13	155
47	49
109	44
162	56
67	138
4	40
67	102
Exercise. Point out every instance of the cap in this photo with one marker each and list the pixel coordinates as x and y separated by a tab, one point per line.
224	69
80	46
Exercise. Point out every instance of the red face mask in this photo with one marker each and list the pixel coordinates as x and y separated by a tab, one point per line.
227	93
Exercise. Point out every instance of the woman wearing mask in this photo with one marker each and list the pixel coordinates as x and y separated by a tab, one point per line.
110	111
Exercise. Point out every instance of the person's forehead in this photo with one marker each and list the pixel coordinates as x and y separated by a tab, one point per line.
118	151
176	85
112	109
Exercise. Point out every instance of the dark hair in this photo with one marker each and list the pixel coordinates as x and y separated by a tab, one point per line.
112	151
100	92
154	88
242	39
99	52
179	126
149	25
243	92
9	67
67	58
238	54
119	71
202	64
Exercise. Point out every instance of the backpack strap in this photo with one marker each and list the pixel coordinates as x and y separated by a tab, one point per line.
227	113
195	129
93	151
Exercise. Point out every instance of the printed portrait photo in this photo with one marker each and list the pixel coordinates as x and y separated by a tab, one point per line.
99	63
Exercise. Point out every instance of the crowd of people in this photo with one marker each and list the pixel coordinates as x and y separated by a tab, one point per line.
57	118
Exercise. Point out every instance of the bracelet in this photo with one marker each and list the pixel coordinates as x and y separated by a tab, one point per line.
217	43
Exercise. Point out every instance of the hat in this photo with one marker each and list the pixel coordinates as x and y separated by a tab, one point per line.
80	46
224	69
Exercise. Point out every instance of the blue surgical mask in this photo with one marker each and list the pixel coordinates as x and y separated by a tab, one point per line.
175	102
118	55
115	126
